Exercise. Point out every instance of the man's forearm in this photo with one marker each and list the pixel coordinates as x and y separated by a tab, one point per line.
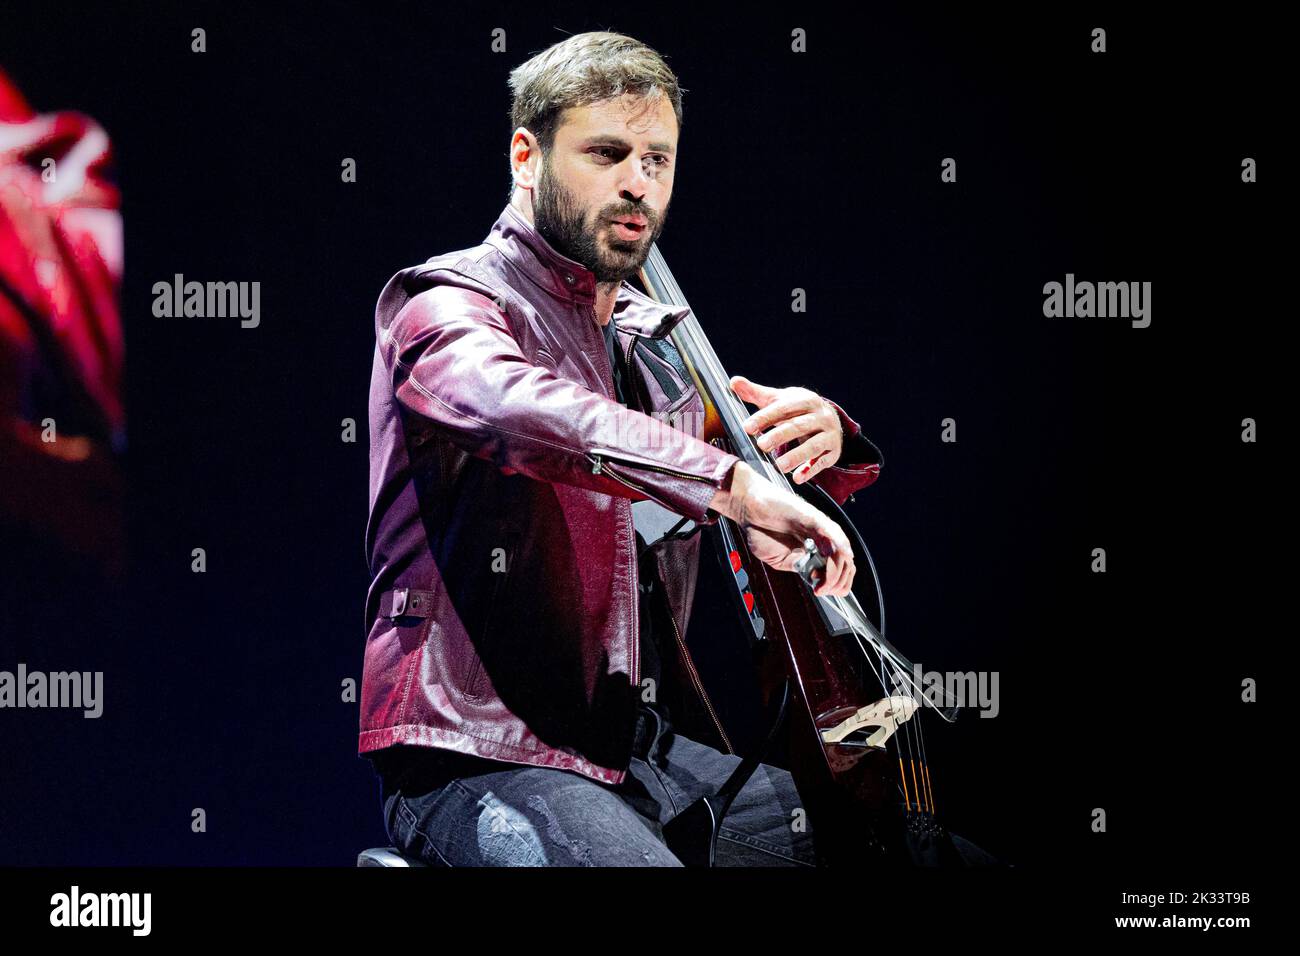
454	363
726	500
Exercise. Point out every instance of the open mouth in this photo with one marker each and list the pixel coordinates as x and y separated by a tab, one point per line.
628	228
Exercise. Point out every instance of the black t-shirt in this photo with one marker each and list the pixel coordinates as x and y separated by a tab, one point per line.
411	768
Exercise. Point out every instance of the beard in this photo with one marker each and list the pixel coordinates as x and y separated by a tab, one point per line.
562	223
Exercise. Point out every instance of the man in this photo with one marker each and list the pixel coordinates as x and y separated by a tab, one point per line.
526	655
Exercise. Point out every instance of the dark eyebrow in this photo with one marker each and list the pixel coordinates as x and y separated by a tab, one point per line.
613	140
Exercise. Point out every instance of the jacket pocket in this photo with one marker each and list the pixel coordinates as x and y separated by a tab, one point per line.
498	593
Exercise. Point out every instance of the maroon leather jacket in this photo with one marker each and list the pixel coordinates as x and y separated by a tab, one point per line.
502	611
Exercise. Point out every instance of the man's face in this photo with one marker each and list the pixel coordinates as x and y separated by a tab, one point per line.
603	192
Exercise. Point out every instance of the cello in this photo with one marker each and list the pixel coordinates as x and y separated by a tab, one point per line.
856	747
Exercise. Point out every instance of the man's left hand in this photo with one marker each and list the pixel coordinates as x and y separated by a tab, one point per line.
793	414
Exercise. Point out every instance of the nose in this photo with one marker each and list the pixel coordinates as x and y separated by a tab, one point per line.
635	183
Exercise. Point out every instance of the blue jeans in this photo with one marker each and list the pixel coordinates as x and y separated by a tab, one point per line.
519	815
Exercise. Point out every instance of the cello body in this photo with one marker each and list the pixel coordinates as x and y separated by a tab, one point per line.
823	663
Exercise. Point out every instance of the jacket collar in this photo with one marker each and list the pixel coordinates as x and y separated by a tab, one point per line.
568	280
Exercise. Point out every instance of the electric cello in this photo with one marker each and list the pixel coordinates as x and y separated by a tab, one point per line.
856	747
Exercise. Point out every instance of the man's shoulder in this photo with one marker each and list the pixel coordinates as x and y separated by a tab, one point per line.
474	263
471	268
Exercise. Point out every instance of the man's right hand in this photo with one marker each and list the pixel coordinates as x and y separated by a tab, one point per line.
777	521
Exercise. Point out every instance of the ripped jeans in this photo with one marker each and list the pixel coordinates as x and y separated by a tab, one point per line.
521	815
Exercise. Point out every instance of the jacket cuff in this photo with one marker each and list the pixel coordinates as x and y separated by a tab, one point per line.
859	463
705	514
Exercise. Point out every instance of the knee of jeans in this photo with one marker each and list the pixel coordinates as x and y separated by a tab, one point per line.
505	836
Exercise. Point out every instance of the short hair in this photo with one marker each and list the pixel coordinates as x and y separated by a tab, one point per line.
586	68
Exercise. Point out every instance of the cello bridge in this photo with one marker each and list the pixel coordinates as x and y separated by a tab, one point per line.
872	725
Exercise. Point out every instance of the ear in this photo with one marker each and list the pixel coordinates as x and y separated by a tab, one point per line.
525	158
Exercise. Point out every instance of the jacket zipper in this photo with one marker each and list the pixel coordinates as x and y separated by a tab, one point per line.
634	576
596	468
627	358
699	685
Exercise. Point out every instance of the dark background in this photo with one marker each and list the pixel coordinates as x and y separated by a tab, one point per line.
818	171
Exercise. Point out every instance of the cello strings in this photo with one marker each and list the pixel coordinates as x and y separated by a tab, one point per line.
927	791
853	614
901	741
905	741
